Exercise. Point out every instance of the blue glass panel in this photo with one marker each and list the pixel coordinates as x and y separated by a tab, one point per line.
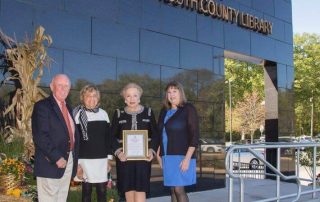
17	26
205	113
218	61
231	3
264	6
290	77
67	31
188	78
95	8
178	21
211	119
115	40
146	75
89	68
151	16
195	55
210	30
237	39
154	103
251	11
263	47
283	10
282	75
159	48
57	4
55	66
129	12
278	28
210	87
284	53
288	33
246	2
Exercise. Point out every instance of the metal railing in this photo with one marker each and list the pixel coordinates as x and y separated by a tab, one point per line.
245	170
276	170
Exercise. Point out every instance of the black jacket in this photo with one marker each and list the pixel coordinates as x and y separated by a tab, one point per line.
123	121
182	130
51	139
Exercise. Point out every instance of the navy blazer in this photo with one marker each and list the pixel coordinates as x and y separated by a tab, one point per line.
182	130
51	139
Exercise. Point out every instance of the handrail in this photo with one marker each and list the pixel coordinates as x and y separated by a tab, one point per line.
278	173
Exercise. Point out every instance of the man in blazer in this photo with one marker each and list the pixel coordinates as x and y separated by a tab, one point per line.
56	142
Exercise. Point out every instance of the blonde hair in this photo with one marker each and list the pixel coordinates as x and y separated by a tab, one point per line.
176	85
89	89
131	85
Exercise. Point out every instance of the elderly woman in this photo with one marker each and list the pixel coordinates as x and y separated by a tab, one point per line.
95	143
133	177
179	125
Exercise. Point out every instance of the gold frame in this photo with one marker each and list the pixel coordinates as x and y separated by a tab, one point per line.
125	135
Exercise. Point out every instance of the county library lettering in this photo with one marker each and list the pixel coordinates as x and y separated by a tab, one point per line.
151	42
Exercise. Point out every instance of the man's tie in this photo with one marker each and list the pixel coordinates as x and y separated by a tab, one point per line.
67	120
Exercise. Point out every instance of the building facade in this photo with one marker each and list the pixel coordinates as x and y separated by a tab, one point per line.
151	42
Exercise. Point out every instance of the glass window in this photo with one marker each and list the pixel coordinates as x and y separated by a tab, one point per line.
159	48
146	75
188	78
55	67
195	56
115	40
150	15
282	75
210	31
16	19
183	25
85	68
67	31
101	9
210	86
237	39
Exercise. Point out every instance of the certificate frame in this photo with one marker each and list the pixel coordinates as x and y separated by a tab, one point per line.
135	144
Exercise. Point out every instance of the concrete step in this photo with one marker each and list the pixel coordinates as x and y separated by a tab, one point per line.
254	190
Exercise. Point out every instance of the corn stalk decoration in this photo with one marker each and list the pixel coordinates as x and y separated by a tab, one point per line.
26	64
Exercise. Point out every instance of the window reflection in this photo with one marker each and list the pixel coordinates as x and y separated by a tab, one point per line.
188	78
86	68
146	75
55	67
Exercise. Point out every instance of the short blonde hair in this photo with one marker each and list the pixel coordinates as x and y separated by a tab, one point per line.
89	89
131	85
176	85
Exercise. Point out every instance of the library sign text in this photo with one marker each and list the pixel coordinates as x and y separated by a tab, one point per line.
217	10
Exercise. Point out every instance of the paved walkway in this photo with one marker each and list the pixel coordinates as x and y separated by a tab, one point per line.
254	190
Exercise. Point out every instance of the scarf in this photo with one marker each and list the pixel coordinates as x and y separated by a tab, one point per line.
83	119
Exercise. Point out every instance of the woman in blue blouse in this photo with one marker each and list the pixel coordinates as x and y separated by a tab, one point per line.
179	128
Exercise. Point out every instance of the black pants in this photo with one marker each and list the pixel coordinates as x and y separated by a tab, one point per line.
100	189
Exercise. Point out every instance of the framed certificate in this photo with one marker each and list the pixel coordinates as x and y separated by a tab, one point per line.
135	144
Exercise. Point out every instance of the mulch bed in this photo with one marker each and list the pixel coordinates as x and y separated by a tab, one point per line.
4	198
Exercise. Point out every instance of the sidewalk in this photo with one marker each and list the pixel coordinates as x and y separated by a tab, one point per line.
254	190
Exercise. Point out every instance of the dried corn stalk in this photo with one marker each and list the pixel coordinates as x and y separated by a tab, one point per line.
26	61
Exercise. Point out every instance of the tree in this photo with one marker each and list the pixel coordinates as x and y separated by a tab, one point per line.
245	78
306	160
307	82
250	114
246	82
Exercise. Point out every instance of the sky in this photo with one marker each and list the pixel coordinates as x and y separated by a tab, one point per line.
306	16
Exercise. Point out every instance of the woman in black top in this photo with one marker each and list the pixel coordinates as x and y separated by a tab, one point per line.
95	144
179	127
133	177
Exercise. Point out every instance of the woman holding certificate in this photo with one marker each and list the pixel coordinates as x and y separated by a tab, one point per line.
179	126
134	127
95	144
